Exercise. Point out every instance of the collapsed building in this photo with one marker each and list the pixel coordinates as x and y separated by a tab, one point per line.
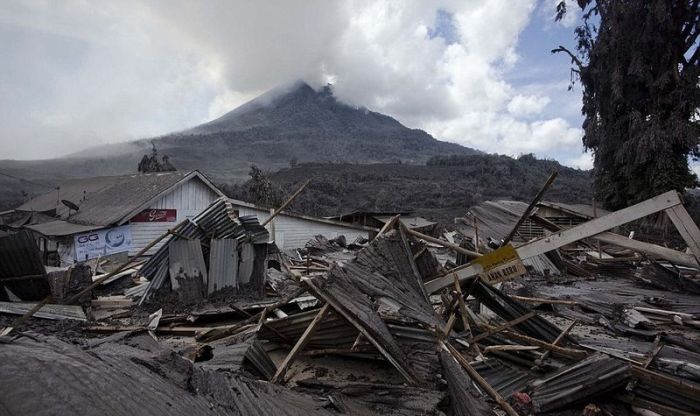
579	319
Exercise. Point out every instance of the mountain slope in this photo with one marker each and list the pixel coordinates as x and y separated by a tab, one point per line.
441	190
301	124
287	125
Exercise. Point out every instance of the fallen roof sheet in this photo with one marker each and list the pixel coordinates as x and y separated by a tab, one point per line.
223	264
48	311
384	272
495	219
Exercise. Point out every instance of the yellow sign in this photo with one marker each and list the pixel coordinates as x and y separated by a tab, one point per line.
501	265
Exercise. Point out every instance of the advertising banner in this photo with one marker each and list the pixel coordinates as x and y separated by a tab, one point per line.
102	242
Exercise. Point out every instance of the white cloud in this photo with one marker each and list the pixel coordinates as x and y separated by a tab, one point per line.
584	161
527	105
104	73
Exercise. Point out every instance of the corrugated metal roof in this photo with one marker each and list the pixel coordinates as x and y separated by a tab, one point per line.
495	219
585	210
107	200
326	220
579	382
59	228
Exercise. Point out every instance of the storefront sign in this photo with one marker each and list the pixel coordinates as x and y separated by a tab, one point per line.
156	215
501	265
102	242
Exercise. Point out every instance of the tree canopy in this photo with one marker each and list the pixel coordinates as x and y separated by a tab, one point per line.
637	62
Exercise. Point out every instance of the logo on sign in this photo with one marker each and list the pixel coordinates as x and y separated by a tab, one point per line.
156	215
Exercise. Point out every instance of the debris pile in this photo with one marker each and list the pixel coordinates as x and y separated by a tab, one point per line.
571	318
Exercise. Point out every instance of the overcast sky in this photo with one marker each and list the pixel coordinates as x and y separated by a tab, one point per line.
476	72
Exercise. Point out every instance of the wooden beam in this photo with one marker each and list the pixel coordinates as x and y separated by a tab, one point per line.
686	227
598	225
557	341
530	207
559	239
494	330
462	306
299	346
574	353
478	379
286	203
651	250
491	348
443	243
542	300
387	226
450	323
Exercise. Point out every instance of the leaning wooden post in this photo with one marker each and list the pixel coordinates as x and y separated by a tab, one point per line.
530	207
556	342
387	226
299	346
286	203
478	379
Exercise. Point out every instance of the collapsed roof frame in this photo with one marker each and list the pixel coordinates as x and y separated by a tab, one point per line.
669	202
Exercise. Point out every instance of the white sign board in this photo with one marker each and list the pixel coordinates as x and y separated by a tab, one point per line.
102	242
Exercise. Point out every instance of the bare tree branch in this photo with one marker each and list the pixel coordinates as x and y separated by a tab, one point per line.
574	58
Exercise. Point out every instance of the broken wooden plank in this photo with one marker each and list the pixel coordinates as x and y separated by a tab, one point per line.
478	379
491	348
286	203
543	300
570	352
557	341
559	239
299	346
652	250
462	307
598	225
686	227
387	226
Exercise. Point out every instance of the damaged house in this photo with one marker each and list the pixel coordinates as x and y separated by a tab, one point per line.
91	217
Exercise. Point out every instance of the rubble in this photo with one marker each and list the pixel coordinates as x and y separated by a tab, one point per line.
564	319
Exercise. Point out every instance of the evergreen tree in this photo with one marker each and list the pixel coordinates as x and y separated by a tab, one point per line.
637	61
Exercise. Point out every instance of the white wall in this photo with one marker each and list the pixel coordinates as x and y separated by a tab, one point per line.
294	232
189	199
